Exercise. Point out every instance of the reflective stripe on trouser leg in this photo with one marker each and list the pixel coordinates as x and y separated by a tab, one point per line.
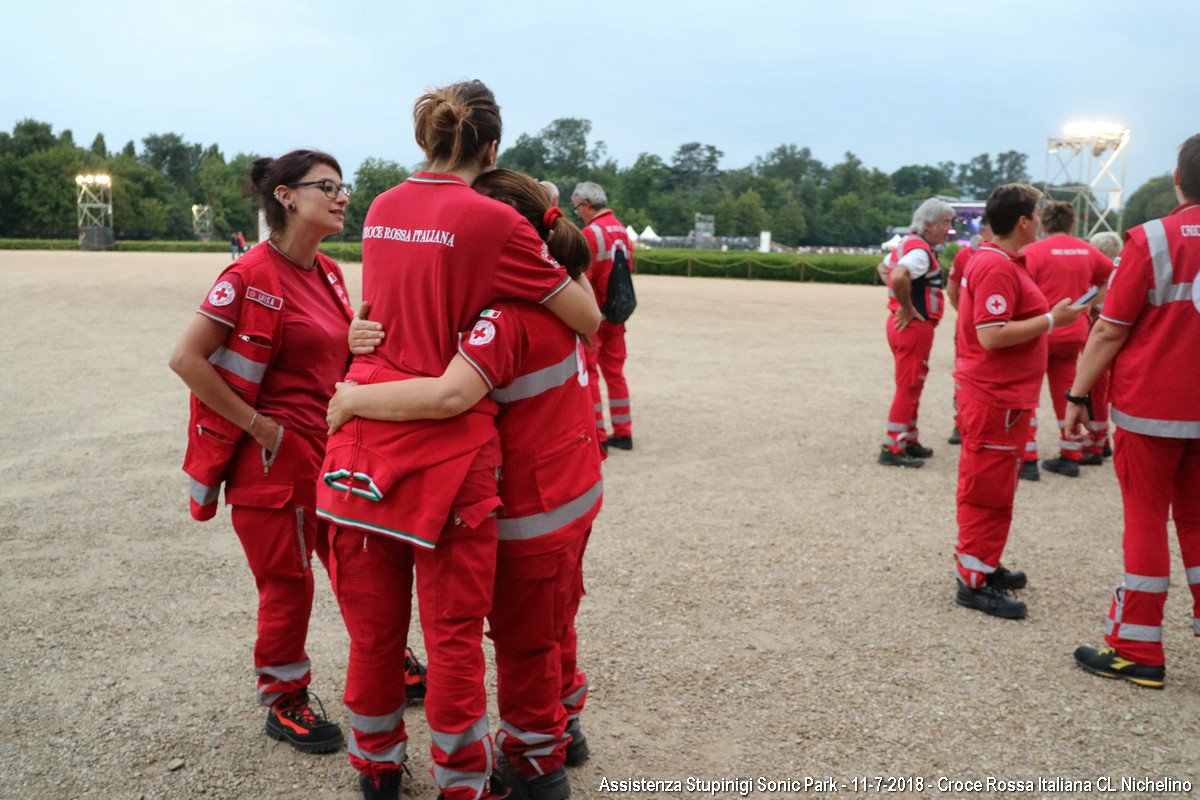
610	357
457	764
989	464
910	354
285	592
574	701
896	436
532	746
1147	468
370	573
533	597
1072	451
1031	450
1185	508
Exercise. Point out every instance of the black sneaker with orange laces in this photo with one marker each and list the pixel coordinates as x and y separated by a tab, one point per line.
292	719
414	677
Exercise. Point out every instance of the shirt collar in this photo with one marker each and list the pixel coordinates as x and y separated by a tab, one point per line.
1184	207
605	212
436	178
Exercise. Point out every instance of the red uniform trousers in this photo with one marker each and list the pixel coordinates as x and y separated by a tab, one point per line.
573	681
1157	475
373	576
989	465
607	356
1099	422
1060	368
275	518
910	351
532	625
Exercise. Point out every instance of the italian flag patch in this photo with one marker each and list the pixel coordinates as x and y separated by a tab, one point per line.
490	313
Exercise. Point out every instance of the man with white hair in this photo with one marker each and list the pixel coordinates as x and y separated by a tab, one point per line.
915	306
607	238
552	190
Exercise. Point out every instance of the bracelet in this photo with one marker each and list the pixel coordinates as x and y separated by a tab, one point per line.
1050	317
250	427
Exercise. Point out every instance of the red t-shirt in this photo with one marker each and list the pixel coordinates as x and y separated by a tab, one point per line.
313	351
535	369
1155	375
997	290
1063	266
959	264
435	252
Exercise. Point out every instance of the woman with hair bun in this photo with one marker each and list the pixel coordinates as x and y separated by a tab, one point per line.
423	493
531	365
261	358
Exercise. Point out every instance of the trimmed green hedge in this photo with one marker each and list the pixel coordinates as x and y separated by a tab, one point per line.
39	244
808	267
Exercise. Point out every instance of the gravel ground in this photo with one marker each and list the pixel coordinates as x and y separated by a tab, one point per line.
764	600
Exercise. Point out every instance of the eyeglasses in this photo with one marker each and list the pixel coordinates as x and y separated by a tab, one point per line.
575	208
331	189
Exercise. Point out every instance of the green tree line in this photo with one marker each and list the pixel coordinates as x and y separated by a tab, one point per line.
787	191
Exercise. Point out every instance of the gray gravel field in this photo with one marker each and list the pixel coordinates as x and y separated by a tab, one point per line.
764	600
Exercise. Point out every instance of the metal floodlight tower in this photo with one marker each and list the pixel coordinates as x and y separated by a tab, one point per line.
94	209
1082	167
202	222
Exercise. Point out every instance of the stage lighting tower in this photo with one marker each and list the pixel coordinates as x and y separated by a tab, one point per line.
94	208
1086	166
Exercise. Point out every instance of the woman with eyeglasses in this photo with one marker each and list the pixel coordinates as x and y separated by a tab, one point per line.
261	358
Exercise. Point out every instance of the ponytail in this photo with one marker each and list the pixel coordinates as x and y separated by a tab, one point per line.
563	239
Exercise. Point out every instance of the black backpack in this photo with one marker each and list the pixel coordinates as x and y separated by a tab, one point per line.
621	300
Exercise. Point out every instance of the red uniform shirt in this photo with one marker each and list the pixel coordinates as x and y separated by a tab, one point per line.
959	265
998	289
1063	266
313	353
434	253
1156	290
534	367
614	238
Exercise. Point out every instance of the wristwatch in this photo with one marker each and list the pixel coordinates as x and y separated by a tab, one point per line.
1079	401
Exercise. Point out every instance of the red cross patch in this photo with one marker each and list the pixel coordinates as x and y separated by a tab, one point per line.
483	332
996	304
222	294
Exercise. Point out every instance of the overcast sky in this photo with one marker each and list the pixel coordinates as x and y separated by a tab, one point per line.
933	82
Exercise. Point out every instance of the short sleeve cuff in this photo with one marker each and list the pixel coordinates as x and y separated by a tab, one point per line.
1107	318
992	324
215	318
557	289
477	367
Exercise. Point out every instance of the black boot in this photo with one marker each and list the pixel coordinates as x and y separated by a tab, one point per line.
1005	580
1107	664
291	719
990	601
889	459
577	749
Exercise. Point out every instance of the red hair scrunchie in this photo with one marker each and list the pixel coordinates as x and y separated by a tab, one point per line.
552	214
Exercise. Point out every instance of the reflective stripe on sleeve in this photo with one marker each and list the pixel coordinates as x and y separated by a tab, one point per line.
238	364
535	525
535	383
1168	428
1142	583
602	251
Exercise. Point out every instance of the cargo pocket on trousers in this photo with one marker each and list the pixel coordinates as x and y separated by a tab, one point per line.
527	609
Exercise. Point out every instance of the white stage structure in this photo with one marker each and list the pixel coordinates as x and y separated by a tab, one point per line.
1086	167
